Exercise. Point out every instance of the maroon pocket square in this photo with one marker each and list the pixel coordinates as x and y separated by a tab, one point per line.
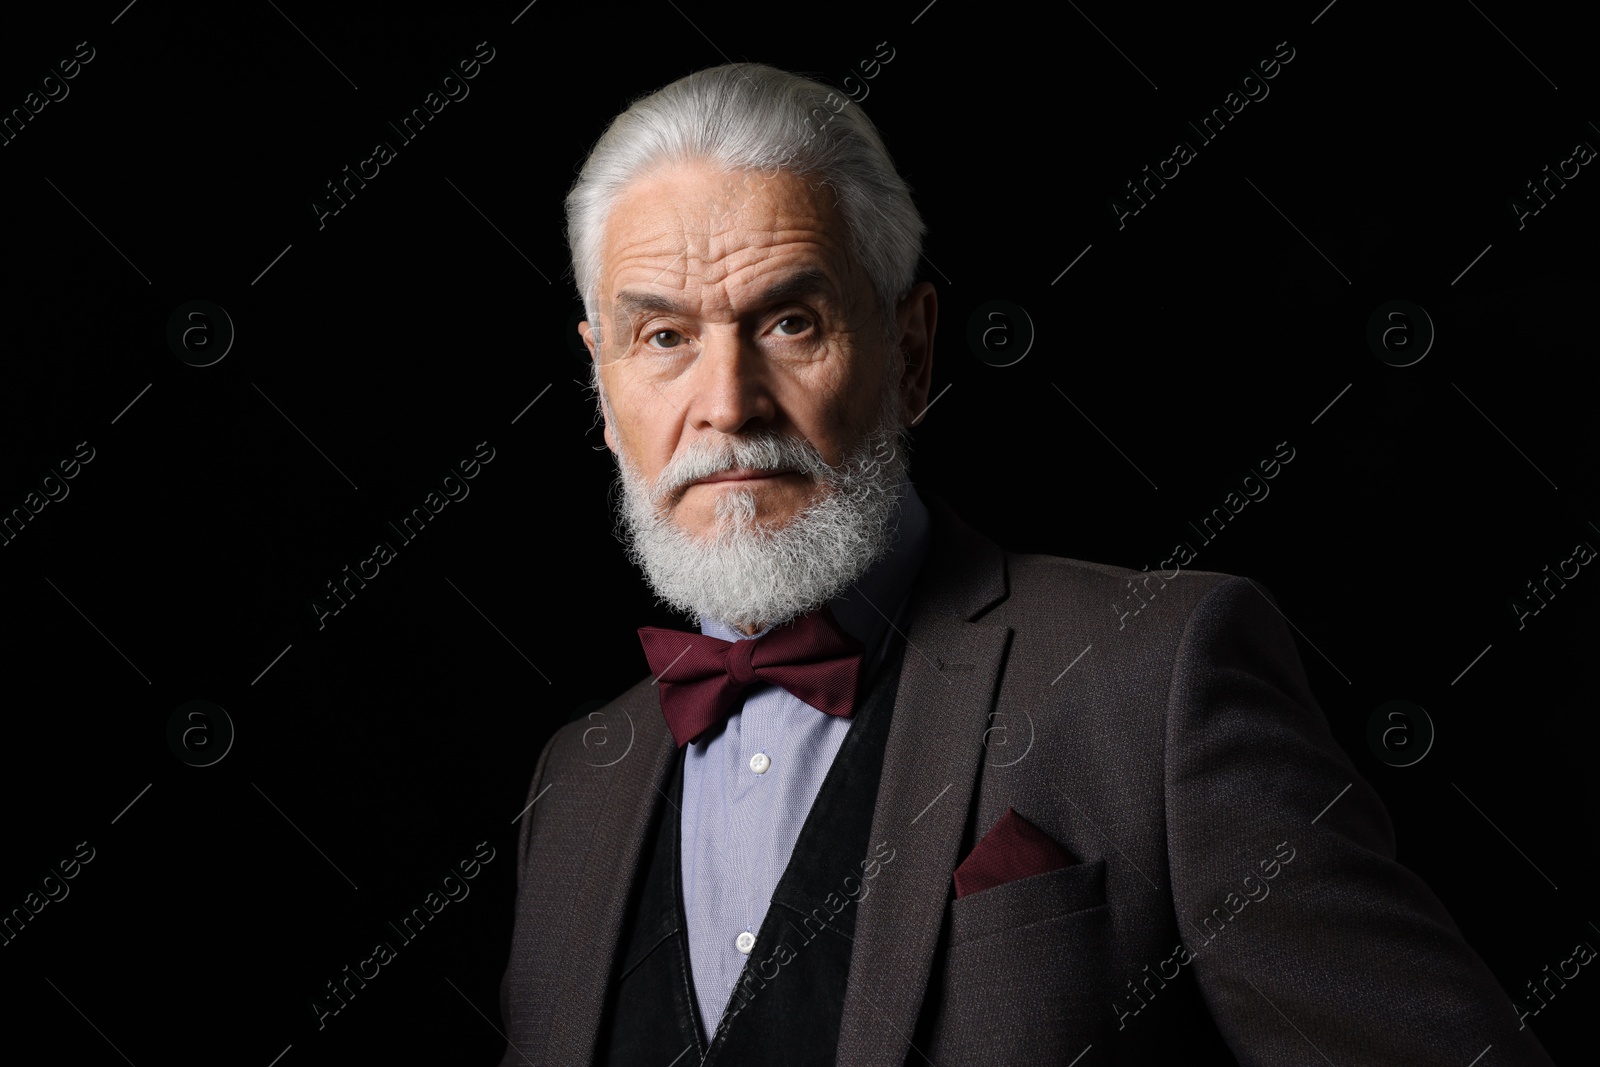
1013	848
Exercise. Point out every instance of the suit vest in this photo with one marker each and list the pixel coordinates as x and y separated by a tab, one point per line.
788	1002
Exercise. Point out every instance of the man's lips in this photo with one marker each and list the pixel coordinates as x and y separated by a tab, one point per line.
741	474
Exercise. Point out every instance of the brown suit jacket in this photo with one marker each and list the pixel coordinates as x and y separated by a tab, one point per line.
1235	895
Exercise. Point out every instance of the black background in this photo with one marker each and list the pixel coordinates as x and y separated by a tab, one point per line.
378	350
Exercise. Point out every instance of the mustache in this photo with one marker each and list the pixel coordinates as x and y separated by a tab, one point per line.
768	450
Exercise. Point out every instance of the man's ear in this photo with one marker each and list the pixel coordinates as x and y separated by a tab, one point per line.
918	317
590	341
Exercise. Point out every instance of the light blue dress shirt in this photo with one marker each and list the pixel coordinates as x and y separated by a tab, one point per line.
748	786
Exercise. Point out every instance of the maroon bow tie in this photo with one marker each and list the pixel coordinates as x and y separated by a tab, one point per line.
703	677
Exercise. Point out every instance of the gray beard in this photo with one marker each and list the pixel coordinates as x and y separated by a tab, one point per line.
750	574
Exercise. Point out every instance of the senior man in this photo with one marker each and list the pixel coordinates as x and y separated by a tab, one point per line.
801	843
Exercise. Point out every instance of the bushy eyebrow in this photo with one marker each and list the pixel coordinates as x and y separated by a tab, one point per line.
809	282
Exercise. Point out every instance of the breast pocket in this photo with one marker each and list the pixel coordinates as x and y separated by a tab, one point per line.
1026	969
1027	902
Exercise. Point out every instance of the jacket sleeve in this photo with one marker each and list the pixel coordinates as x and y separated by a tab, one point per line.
514	1057
1309	942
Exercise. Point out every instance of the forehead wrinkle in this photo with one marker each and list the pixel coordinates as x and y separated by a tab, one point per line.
747	289
728	233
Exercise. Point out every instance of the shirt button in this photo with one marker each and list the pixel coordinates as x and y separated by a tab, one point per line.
759	763
745	942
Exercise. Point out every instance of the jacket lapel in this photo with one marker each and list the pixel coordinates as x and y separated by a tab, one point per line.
614	839
947	689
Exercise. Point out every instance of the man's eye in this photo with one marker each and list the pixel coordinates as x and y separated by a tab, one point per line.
792	325
666	339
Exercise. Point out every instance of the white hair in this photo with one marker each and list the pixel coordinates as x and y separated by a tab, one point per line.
751	116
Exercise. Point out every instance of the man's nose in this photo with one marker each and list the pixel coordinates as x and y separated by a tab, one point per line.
732	384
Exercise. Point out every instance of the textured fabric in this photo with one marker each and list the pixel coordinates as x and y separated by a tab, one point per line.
740	827
1175	753
1013	848
702	678
786	1009
650	1013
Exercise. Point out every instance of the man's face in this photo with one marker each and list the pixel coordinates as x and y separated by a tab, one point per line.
730	307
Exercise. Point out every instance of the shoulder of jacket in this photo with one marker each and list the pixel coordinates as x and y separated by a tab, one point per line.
1064	572
598	725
